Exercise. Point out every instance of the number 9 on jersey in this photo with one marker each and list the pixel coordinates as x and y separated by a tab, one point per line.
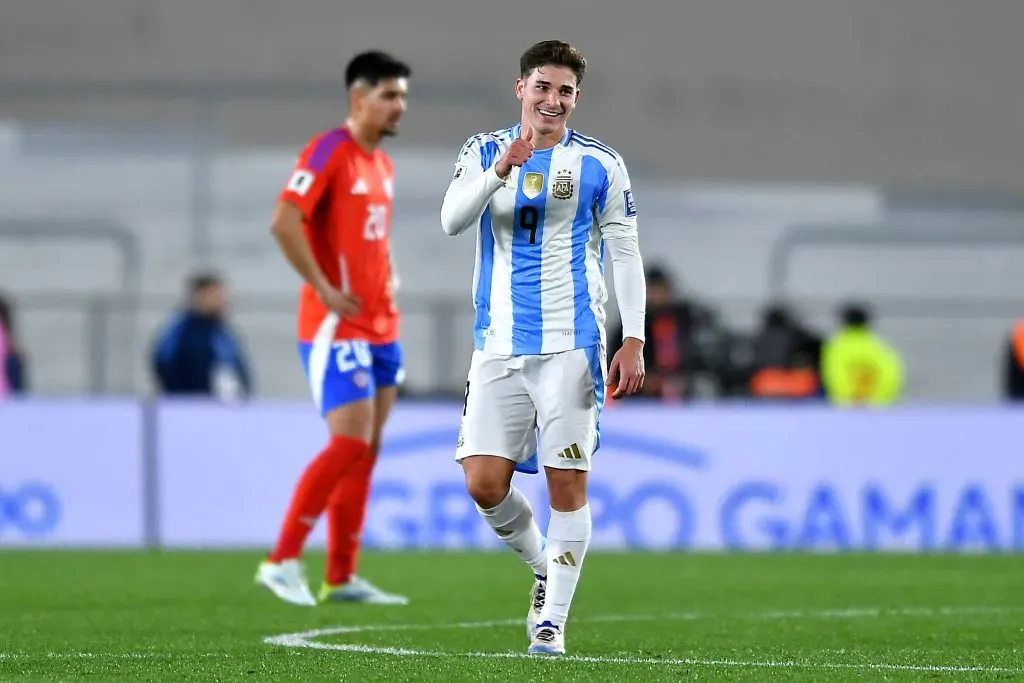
528	219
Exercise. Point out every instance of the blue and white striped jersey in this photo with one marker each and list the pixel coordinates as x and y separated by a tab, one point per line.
538	284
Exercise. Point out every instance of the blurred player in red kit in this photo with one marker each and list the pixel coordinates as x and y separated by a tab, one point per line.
332	222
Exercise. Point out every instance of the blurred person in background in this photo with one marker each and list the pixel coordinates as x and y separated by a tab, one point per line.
685	347
858	366
12	359
784	357
197	353
332	222
1013	373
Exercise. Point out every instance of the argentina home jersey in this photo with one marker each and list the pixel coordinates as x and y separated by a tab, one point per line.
538	283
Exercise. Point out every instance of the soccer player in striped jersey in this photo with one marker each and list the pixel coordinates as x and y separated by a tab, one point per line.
333	224
545	202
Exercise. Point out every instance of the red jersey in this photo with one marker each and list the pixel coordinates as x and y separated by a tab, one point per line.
344	193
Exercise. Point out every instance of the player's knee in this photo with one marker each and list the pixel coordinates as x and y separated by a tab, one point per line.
567	489
486	491
487	494
488	479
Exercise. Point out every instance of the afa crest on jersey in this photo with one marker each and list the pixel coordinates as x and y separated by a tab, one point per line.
562	187
533	184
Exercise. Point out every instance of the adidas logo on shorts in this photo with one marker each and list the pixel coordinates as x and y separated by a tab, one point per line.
571	453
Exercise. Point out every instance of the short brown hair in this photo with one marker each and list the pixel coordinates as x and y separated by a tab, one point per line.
553	53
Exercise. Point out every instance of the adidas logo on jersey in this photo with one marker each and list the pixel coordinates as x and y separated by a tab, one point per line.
360	187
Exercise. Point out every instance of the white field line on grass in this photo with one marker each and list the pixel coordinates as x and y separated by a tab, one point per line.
306	639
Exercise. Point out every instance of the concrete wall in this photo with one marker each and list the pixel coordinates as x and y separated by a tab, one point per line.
916	93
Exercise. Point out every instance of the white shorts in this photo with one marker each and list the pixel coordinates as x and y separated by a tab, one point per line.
513	400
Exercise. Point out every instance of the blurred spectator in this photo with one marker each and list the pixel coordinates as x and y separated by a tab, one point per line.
13	376
785	357
1013	376
685	345
197	352
858	366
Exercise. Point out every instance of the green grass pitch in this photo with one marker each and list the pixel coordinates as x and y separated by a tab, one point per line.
163	616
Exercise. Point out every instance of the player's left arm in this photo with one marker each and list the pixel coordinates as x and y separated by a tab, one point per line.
616	216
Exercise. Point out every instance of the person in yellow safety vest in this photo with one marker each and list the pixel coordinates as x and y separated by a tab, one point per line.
858	367
1013	377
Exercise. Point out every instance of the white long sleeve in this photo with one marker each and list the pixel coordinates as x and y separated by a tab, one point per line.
617	219
630	283
469	192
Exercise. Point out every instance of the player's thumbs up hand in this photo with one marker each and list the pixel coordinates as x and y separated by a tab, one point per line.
517	154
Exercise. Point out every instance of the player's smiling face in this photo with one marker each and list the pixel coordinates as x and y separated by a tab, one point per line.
382	105
549	96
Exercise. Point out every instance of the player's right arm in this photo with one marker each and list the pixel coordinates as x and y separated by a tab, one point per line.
298	201
473	185
286	227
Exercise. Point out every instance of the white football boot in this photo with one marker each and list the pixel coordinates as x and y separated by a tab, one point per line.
287	581
358	589
548	641
537	595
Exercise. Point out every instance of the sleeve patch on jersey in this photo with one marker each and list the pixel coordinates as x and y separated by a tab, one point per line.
460	171
300	182
627	196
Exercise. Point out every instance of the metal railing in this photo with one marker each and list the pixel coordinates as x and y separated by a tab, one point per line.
998	230
96	306
108	349
112	332
201	140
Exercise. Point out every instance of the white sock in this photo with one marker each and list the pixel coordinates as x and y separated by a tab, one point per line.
512	519
568	539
